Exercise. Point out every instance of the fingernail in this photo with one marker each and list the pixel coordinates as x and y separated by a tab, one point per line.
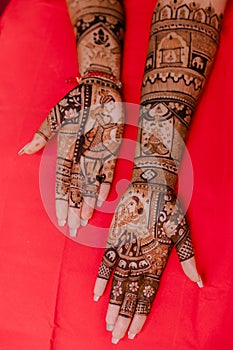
61	222
115	340
96	297
73	232
99	204
109	327
131	335
21	152
84	222
200	284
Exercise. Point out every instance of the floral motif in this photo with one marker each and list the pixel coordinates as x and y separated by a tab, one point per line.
134	287
148	291
169	207
117	289
71	113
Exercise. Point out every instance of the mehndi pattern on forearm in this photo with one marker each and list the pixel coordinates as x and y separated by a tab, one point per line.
183	42
99	27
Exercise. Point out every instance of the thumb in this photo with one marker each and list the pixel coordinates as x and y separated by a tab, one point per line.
34	145
185	252
190	270
48	128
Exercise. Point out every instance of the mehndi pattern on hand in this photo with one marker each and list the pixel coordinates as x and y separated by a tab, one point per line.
149	220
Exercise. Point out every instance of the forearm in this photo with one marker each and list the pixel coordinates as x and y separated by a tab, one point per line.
183	42
99	27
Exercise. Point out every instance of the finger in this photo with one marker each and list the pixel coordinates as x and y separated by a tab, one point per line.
75	204
185	252
67	179
146	296
88	207
63	170
49	126
111	316
61	211
190	270
107	265
89	186
33	146
100	286
125	293
120	329
136	325
116	300
103	193
74	221
105	179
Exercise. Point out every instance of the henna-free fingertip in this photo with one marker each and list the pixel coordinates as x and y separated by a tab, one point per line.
96	298
131	335
99	203
61	222
84	222
73	232
200	283
115	340
21	152
109	327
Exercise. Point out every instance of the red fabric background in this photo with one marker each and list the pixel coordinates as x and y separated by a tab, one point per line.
47	279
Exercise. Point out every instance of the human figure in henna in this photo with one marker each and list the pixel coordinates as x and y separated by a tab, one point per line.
90	117
183	42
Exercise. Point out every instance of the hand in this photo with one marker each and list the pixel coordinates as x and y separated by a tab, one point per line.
90	123
147	224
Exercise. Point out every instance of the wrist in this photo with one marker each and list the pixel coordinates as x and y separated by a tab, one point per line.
97	74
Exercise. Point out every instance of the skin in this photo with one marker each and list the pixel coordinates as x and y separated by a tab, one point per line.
149	220
90	117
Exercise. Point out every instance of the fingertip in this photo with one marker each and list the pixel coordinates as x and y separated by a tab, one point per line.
96	297
87	210
103	193
21	152
84	222
99	203
100	285
200	283
109	327
190	269
61	223
73	232
131	335
73	221
115	340
136	325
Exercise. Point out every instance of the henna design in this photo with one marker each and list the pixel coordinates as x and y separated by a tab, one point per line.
89	138
99	27
90	119
148	223
149	220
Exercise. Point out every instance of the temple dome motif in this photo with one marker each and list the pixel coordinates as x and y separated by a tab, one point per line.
172	50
